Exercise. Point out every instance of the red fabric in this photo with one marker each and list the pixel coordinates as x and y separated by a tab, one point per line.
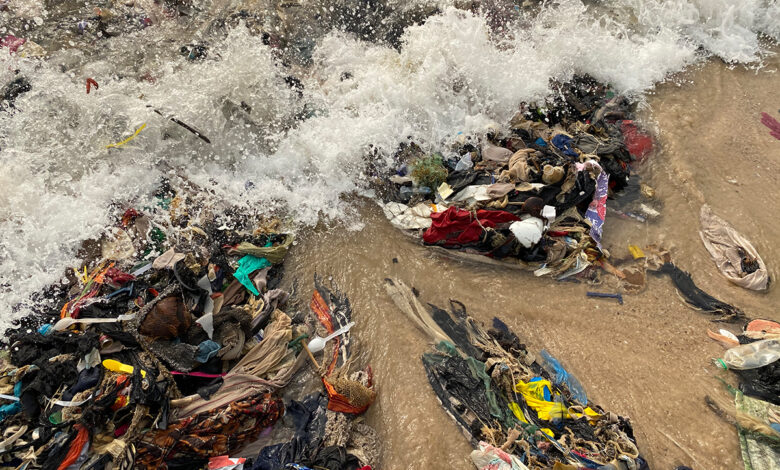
458	227
118	277
638	143
323	313
82	436
340	403
772	124
92	83
12	42
130	214
223	461
121	430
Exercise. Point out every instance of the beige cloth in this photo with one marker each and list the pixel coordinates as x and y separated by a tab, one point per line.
274	254
494	153
269	366
408	218
167	259
405	299
497	190
518	167
727	247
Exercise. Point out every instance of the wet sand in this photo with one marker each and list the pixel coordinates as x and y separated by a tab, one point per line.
648	359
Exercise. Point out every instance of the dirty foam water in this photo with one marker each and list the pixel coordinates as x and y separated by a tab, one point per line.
649	359
457	72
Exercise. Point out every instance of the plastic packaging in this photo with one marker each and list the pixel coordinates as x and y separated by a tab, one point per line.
753	355
562	378
408	191
529	231
464	163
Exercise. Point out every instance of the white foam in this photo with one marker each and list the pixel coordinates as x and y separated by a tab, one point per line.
452	74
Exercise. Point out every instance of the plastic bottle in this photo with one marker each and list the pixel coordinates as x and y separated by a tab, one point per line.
753	355
562	378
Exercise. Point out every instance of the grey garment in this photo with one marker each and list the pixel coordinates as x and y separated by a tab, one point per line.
590	144
728	248
272	299
230	331
260	279
494	153
498	190
177	356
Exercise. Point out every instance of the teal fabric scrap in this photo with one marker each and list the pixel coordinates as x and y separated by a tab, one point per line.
246	266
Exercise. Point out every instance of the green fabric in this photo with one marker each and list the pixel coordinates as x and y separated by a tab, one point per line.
478	371
246	266
759	452
447	348
274	254
297	343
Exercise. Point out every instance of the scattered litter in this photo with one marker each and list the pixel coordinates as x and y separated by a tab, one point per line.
535	196
91	83
755	359
500	395
124	374
186	126
135	134
735	256
772	124
604	295
636	252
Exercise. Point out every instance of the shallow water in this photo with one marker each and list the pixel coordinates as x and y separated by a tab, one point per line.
647	359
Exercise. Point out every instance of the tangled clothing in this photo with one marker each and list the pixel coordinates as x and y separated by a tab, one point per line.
762	382
274	254
518	171
458	227
563	143
308	418
218	431
250	375
735	256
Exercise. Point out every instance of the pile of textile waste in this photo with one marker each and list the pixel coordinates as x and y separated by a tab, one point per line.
754	356
168	349
534	196
520	411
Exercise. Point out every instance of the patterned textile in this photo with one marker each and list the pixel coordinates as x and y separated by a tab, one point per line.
220	431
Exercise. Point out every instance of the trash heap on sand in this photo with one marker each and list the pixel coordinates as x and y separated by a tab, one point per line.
753	354
520	411
534	196
168	348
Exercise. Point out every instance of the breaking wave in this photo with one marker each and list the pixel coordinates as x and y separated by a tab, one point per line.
291	131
